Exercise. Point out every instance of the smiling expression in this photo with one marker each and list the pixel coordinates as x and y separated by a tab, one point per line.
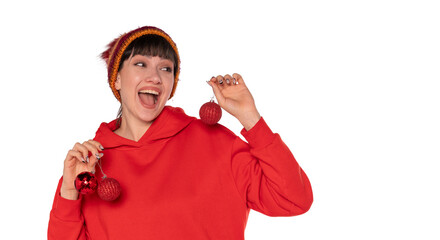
145	85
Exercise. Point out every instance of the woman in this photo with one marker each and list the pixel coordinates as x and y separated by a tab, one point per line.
180	178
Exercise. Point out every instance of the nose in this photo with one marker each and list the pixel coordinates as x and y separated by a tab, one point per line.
153	76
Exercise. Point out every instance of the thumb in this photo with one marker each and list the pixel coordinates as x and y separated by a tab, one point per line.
218	94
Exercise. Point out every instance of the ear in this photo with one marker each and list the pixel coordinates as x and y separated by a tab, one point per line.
118	82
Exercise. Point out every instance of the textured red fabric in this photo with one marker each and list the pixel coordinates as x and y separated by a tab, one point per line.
109	189
186	180
210	113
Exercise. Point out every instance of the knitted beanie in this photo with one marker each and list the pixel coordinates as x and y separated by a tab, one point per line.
112	56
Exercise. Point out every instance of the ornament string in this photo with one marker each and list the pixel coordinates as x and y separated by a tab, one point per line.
100	167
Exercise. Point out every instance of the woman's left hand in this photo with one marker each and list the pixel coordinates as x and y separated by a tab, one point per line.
235	98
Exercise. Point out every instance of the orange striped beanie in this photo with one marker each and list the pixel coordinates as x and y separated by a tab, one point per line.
112	56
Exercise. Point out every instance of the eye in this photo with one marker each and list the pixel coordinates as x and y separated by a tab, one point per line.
168	69
140	64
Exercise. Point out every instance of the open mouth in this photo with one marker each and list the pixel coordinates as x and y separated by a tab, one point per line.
148	97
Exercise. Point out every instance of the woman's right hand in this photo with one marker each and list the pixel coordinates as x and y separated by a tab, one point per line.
82	157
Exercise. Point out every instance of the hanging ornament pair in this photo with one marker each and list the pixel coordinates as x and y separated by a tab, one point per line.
108	189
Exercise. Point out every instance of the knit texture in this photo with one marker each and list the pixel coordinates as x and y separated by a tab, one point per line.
112	56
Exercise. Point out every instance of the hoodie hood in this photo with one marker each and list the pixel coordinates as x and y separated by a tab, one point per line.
169	122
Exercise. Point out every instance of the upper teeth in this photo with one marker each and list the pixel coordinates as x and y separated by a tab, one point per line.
149	91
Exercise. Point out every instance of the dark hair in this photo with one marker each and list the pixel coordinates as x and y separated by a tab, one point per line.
148	45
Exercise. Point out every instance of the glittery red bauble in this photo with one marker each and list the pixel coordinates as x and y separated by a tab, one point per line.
86	183
210	113
109	189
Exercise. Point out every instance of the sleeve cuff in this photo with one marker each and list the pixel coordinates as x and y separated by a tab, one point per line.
68	210
260	135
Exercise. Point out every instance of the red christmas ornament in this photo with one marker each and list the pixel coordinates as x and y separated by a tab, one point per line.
210	113
109	189
86	183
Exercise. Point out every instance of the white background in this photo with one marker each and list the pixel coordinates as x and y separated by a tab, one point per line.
351	86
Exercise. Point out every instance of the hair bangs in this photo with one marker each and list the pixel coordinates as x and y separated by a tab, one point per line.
150	45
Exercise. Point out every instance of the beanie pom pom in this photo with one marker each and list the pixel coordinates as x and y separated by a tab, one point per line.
106	54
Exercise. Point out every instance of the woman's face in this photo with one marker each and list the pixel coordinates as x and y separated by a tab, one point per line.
145	85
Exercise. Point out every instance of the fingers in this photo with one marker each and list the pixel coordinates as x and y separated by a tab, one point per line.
74	155
227	80
216	88
93	147
88	152
238	78
81	152
221	83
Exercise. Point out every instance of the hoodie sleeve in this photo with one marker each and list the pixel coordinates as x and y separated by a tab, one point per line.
66	221
267	174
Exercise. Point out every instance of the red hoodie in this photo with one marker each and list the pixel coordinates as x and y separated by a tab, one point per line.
185	180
